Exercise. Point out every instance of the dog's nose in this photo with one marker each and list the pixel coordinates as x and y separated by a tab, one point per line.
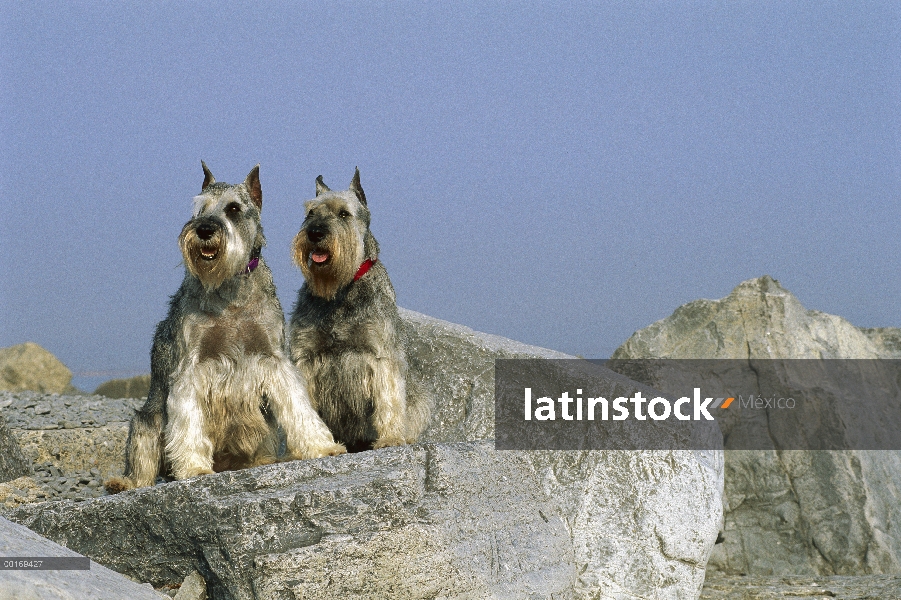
205	232
315	234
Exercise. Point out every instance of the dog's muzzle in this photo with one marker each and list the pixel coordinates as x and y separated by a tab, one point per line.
318	256
207	232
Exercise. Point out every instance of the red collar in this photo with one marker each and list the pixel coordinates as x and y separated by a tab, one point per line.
364	268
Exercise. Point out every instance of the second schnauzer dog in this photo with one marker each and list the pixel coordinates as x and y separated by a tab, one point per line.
221	382
344	332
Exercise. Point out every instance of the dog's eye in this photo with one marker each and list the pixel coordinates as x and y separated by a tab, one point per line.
233	209
343	214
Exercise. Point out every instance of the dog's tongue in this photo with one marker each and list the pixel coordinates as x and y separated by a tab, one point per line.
319	256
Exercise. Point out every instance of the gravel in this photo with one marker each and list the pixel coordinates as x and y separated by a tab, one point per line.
34	410
78	486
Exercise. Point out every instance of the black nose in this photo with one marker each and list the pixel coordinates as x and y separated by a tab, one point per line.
315	234
205	232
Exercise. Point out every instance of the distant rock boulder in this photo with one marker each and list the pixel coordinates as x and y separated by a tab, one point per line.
794	512
30	367
132	387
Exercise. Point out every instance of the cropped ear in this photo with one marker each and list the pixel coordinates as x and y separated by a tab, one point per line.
321	188
356	188
207	176
253	187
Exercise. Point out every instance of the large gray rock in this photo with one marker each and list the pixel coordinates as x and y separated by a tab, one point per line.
30	367
13	464
131	387
642	523
423	521
98	583
795	512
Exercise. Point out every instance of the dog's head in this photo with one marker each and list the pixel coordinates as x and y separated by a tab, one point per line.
224	234
334	239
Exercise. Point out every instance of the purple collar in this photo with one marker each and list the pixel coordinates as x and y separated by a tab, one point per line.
253	264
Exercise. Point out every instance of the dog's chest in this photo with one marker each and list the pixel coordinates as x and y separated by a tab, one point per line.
233	335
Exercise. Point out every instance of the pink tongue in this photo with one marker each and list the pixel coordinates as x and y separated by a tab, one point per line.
319	257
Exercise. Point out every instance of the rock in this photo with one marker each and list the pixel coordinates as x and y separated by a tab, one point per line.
98	582
886	339
13	463
794	512
867	587
637	524
132	387
658	546
95	436
456	520
192	588
457	366
30	367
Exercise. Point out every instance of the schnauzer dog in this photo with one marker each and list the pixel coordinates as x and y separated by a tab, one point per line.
344	332
221	383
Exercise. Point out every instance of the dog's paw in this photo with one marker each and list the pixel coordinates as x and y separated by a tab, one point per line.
388	441
114	485
330	450
194	473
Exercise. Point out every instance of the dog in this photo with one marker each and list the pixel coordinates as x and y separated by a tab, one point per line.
345	333
221	382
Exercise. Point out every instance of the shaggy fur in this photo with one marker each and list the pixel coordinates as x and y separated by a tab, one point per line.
221	383
345	332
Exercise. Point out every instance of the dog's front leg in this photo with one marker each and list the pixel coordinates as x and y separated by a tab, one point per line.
307	434
389	403
188	446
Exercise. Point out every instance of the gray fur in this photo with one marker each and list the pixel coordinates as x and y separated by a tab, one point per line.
221	383
345	335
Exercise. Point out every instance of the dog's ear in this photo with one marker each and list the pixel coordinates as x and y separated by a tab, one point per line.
207	176
253	187
321	188
356	188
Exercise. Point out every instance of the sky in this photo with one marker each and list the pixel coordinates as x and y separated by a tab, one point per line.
560	174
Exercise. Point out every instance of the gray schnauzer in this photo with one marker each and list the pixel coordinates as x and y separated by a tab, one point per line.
345	333
221	383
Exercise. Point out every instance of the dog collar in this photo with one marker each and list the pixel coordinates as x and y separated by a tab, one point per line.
364	268
253	264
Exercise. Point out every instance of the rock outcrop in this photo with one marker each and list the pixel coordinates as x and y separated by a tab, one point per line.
30	367
131	387
450	517
793	512
448	520
97	583
13	464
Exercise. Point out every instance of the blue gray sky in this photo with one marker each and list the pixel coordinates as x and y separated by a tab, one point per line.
561	175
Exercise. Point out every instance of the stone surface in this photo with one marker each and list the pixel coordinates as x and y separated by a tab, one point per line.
642	523
871	587
13	463
456	364
98	583
192	588
132	387
638	524
74	433
424	521
30	367
792	512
